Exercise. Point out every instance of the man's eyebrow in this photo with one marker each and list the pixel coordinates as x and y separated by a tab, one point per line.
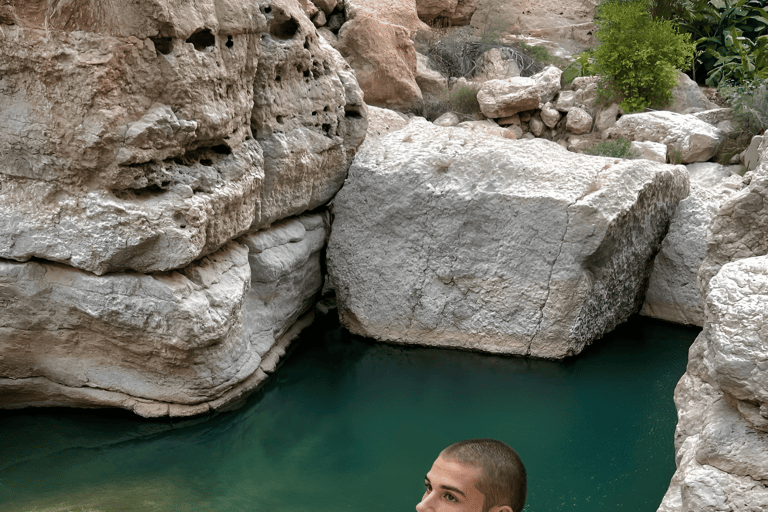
447	487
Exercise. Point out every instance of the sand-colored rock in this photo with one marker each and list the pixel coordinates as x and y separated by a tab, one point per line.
655	151
139	153
550	115
430	81
497	64
691	139
448	237
381	121
567	22
503	98
308	117
382	56
578	121
687	96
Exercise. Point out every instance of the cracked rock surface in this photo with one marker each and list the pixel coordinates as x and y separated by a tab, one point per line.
448	237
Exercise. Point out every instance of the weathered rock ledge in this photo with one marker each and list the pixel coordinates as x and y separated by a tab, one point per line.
160	159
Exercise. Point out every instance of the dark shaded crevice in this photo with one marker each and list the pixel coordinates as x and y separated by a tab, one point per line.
282	26
202	39
163	45
352	111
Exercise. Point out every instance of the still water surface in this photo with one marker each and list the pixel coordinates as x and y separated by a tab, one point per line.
348	424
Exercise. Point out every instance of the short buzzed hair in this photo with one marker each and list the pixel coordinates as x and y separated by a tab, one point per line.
503	480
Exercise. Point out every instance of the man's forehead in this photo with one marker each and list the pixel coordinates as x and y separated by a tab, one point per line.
459	472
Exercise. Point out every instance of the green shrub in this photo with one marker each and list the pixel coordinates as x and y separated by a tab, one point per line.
750	105
639	55
463	99
728	36
618	148
430	107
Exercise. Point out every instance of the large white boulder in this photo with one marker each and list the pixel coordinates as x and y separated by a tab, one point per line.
505	97
688	138
449	237
672	291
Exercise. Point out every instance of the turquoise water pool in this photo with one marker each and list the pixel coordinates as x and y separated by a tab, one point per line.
349	424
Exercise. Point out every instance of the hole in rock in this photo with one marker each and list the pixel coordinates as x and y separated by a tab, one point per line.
222	149
278	79
266	10
327	129
206	162
306	73
230	43
353	112
163	45
306	44
283	27
202	39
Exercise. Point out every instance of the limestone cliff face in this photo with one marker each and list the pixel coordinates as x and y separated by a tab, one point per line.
722	400
139	140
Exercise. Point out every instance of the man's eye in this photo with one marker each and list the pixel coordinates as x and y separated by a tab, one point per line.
429	487
450	497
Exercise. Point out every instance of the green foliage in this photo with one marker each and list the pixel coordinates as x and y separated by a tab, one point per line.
494	33
639	55
462	99
750	105
675	156
618	148
729	37
538	53
583	65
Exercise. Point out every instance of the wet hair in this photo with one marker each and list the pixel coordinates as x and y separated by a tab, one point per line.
502	480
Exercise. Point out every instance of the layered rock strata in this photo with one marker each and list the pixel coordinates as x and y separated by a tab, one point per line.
447	237
140	141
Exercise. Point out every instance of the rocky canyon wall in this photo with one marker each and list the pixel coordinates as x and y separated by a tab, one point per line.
150	152
721	439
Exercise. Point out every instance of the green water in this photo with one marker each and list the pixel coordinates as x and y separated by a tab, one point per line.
348	424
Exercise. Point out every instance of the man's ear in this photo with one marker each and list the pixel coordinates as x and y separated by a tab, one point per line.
502	508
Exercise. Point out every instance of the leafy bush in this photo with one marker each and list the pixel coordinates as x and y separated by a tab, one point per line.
750	105
639	55
618	148
729	35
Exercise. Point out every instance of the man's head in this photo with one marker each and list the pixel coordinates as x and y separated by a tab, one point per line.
477	475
